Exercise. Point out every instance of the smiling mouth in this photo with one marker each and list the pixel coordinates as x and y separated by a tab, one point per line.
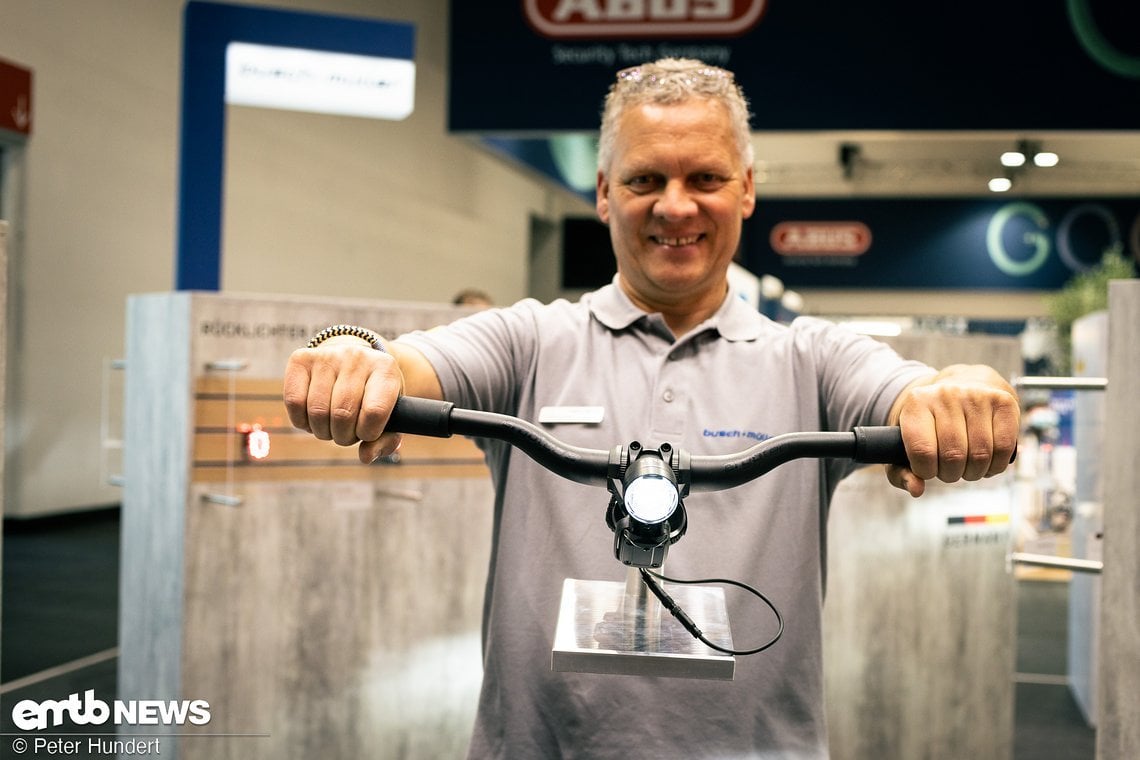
675	242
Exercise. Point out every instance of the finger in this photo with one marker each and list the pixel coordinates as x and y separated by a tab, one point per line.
296	391
318	404
953	443
1006	430
380	393
980	439
344	407
920	437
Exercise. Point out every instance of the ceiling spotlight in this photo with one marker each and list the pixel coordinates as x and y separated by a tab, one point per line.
1000	184
1026	150
1012	159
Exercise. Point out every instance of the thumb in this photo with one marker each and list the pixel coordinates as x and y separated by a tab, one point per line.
902	478
383	446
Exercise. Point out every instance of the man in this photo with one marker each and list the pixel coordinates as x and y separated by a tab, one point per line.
672	356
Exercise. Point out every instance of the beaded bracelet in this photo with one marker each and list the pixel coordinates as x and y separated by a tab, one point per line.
357	332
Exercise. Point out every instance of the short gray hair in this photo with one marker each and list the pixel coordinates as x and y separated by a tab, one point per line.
669	81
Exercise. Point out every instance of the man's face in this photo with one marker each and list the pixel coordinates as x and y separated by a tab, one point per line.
674	197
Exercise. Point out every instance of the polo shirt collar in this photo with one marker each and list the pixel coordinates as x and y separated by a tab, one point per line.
734	320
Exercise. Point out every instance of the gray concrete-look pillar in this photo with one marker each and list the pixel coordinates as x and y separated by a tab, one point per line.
1118	691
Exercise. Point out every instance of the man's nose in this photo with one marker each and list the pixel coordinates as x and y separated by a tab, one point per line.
675	202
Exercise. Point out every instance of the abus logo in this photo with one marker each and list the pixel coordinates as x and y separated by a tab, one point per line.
643	18
820	238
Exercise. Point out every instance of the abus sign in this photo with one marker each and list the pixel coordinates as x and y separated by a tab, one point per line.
643	18
820	238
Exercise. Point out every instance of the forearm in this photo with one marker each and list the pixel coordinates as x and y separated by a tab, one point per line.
420	378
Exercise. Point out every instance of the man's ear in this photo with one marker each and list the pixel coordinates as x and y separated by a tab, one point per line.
749	194
602	202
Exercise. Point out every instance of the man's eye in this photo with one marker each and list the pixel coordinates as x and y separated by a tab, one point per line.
708	180
642	182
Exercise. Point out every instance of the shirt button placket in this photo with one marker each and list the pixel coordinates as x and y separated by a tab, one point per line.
668	412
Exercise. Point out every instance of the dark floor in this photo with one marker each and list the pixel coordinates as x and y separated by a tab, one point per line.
60	610
60	600
60	591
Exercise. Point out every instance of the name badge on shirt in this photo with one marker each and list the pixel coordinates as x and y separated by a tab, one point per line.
572	415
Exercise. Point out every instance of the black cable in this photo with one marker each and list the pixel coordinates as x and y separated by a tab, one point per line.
651	579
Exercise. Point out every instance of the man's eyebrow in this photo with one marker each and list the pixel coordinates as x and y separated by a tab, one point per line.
640	171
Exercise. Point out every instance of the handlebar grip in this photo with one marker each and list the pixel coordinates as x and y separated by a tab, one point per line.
880	445
421	416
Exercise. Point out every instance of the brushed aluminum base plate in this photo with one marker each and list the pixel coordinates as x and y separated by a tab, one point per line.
616	628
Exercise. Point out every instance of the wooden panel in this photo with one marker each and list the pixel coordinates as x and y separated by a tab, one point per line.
225	409
295	447
920	629
344	626
919	619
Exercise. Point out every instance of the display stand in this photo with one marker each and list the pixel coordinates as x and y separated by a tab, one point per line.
1118	685
920	609
322	608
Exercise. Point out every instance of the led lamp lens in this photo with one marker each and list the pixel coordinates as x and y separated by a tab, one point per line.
651	499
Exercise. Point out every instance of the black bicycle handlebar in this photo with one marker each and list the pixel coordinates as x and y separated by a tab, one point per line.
442	419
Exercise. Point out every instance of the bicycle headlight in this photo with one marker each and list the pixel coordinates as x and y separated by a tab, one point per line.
650	490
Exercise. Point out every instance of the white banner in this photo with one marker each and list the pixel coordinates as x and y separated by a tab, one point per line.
296	79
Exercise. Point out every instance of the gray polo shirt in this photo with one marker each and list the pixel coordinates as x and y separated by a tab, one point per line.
733	380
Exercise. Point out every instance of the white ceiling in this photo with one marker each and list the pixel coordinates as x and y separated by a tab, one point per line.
944	163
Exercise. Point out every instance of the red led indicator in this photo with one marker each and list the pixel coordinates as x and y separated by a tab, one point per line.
256	442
